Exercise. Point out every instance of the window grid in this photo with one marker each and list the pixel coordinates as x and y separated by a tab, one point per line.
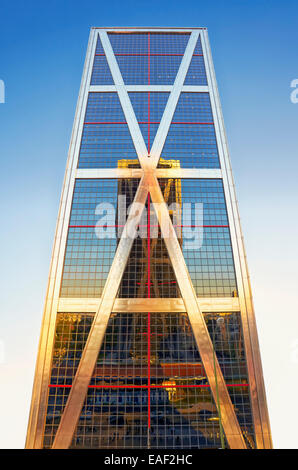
101	74
103	145
148	362
88	256
164	402
149	272
145	58
193	145
211	265
106	138
196	74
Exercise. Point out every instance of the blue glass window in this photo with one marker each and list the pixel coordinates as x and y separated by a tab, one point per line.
163	69
191	140
181	410
134	69
106	138
192	146
129	43
168	43
103	145
104	107
101	74
198	48
149	58
193	108
149	108
196	74
88	257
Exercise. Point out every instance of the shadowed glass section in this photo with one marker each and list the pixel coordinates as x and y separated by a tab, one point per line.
149	387
149	268
149	271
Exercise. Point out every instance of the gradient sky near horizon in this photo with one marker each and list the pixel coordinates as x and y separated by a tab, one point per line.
42	51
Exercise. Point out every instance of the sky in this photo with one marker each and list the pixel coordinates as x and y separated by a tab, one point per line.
42	51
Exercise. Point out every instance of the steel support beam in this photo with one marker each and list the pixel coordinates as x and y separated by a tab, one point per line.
206	304
125	173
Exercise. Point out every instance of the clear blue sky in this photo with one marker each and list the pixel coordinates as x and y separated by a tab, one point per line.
42	49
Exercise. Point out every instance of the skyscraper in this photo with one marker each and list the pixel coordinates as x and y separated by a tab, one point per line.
148	337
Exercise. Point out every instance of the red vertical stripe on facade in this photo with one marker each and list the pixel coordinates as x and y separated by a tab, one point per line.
148	58
148	295
149	122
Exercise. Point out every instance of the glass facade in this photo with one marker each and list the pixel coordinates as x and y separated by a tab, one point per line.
127	390
149	387
106	138
149	58
88	258
149	108
149	367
